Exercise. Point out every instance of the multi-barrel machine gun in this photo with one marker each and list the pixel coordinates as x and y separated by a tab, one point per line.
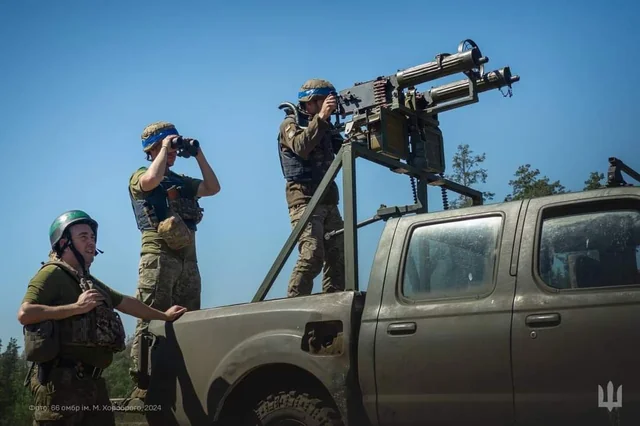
389	116
394	125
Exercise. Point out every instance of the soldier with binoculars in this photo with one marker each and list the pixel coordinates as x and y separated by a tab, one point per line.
167	212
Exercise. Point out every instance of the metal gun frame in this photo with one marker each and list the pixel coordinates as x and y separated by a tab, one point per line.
614	173
369	102
346	159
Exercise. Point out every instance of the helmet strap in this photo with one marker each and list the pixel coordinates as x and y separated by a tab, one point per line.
76	253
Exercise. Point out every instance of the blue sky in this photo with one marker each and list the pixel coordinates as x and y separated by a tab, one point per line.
80	80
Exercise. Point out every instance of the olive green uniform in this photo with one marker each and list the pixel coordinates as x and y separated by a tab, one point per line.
166	277
70	396
315	253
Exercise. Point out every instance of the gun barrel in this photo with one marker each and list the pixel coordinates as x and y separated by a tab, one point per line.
441	67
457	89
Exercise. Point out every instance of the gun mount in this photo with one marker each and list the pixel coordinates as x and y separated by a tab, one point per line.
403	124
614	174
399	130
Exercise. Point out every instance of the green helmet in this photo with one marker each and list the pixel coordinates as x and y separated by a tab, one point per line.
65	220
314	87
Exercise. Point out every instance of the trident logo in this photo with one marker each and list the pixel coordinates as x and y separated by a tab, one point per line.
609	403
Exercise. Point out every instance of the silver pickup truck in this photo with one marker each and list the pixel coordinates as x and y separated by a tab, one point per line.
524	312
518	313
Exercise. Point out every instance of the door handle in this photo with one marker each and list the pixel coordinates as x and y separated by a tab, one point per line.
400	328
543	320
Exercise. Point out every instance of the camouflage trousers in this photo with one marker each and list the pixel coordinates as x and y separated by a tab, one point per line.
67	400
164	281
317	254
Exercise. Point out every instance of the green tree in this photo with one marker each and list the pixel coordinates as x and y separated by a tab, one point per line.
15	397
467	172
119	383
529	184
594	181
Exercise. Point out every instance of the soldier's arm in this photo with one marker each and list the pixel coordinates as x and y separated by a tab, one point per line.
336	141
209	185
31	313
136	308
302	141
36	307
42	293
156	171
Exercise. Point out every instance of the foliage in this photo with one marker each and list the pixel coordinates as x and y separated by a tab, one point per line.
528	184
467	172
594	181
117	376
16	398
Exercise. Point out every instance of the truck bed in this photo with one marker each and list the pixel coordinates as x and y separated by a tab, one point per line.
205	360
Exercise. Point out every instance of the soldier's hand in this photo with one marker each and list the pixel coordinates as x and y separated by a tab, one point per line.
328	106
174	312
89	300
166	142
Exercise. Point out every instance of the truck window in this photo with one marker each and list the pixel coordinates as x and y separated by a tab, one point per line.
453	259
592	249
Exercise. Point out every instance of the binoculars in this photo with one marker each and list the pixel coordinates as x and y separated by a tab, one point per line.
185	147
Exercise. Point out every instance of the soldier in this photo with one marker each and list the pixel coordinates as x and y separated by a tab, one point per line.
307	149
166	209
64	297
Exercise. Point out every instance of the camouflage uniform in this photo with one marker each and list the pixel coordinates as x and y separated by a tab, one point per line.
307	149
168	272
67	386
68	399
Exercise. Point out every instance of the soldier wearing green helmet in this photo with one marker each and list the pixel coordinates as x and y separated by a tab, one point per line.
307	146
71	328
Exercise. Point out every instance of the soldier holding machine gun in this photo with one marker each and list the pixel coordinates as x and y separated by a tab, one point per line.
307	145
393	124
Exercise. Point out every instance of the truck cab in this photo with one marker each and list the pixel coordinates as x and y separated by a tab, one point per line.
516	313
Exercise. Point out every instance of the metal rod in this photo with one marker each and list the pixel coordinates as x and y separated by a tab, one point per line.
430	178
345	158
350	217
278	264
328	235
422	196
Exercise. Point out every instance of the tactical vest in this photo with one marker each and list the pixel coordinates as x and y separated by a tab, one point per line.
312	170
100	327
158	205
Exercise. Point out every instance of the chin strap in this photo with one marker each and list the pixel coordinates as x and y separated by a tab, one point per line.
76	253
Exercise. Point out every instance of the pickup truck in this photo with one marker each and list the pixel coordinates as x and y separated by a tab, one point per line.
518	313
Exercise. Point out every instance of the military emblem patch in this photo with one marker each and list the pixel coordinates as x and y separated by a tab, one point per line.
291	130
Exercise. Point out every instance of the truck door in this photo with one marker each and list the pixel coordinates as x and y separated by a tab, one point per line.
576	322
442	354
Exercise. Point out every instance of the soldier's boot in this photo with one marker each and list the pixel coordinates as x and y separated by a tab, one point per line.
136	392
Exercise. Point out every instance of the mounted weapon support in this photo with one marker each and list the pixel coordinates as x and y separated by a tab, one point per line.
395	126
614	174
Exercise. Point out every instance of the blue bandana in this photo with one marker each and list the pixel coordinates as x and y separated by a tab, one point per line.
158	136
324	91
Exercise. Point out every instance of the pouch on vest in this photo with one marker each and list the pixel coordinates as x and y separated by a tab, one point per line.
175	232
41	341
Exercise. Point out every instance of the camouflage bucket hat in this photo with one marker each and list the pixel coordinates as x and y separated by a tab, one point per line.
155	132
315	87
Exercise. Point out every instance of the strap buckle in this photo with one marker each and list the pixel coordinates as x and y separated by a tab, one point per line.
96	373
84	370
